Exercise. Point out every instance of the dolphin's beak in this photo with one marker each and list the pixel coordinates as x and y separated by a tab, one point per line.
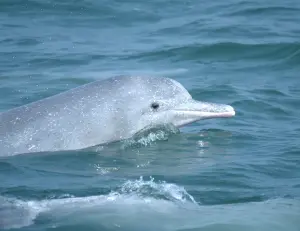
193	110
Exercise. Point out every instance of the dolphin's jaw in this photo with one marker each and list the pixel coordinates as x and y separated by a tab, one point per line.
194	111
187	117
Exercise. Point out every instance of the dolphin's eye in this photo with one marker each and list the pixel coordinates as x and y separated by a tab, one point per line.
154	105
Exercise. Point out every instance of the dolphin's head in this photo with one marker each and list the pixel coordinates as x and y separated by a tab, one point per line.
165	101
185	112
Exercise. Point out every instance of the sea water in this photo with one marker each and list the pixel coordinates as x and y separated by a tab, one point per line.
240	173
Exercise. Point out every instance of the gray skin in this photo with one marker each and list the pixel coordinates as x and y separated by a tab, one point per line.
101	112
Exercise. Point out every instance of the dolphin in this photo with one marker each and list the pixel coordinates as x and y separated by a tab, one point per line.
101	112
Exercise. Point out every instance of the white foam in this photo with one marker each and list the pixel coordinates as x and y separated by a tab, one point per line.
149	135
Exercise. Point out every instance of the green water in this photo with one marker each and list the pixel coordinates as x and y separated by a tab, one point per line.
240	173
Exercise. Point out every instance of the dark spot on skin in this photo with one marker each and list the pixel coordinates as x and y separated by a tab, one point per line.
155	106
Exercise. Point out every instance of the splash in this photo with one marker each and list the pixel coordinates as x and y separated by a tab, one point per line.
16	213
161	190
151	134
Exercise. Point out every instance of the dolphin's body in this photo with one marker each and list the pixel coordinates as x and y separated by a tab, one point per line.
101	112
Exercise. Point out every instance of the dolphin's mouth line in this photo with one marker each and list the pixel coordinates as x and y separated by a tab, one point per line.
205	114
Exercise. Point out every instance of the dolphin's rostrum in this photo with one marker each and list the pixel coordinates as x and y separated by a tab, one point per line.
101	112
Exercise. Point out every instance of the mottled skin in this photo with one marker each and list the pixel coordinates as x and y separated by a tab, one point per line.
100	112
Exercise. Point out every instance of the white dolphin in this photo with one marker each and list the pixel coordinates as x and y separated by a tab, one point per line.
101	112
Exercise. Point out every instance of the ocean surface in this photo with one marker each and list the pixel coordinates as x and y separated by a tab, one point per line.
240	173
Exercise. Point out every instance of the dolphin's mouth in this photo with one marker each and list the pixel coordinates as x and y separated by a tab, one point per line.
193	110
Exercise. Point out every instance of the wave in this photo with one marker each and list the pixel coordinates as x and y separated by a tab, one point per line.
282	52
132	195
43	6
269	92
264	10
108	13
256	106
161	205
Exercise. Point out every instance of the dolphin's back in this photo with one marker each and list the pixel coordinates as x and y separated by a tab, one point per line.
50	121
